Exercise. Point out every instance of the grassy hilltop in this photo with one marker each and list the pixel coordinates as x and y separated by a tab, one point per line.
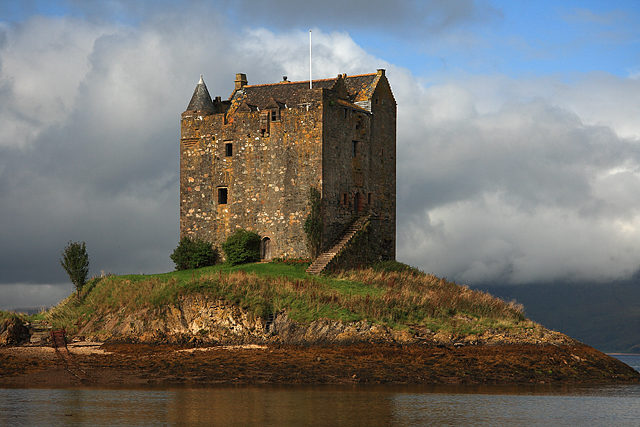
391	295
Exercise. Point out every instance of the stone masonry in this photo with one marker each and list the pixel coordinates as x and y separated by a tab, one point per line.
250	161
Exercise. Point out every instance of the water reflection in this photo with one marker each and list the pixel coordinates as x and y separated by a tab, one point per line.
280	406
371	406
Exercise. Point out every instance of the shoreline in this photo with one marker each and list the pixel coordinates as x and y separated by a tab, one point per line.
163	365
621	354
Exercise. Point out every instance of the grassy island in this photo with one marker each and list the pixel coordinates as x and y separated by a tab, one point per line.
269	323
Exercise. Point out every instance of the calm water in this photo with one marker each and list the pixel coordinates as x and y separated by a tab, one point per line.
370	406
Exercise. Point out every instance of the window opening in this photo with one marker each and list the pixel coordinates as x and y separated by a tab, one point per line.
264	123
222	195
345	112
369	198
355	148
228	149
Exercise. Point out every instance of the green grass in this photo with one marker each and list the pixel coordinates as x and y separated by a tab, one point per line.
4	315
389	294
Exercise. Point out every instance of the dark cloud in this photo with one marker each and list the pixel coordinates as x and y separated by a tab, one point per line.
524	192
498	179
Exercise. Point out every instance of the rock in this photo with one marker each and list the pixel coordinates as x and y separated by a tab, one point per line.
13	332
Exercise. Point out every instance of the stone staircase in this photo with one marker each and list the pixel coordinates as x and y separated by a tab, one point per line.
40	333
323	260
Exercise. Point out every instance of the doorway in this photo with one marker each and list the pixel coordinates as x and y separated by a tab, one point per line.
265	249
357	203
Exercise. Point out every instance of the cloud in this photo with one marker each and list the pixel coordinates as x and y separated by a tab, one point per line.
497	185
405	16
29	296
498	179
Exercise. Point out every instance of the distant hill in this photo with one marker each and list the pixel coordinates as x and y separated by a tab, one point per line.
605	316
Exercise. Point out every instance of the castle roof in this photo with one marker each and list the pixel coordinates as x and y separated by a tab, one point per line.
201	100
359	88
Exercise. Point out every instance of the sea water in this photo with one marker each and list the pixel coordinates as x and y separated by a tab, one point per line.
327	405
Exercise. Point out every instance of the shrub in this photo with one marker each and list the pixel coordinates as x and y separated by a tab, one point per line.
241	247
194	253
75	262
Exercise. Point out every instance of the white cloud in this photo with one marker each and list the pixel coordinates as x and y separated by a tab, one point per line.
498	178
43	62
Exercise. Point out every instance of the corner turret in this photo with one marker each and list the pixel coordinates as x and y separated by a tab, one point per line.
201	100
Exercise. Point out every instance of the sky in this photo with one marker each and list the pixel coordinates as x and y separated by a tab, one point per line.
518	127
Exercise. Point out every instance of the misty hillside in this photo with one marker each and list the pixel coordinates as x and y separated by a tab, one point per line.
606	316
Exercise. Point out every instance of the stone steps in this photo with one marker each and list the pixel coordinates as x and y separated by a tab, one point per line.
40	334
321	262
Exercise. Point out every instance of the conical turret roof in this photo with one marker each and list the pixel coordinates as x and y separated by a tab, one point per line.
201	100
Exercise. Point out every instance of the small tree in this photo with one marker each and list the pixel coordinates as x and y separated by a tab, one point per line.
75	262
193	253
313	223
242	246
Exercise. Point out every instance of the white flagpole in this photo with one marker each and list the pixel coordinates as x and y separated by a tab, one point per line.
310	75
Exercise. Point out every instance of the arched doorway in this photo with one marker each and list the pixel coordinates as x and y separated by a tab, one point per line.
265	248
357	203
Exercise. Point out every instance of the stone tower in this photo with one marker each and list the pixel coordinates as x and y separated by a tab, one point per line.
250	161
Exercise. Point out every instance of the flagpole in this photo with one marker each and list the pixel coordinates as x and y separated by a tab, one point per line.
310	75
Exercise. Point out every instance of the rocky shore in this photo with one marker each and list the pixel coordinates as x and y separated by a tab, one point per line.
199	320
203	342
157	365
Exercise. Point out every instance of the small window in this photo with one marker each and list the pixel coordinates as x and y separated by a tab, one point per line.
355	148
273	115
369	198
345	112
264	123
222	196
376	100
344	199
228	149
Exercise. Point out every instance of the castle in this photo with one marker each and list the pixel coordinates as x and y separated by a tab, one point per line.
250	162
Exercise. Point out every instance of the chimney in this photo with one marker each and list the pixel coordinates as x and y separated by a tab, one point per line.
380	72
284	78
241	80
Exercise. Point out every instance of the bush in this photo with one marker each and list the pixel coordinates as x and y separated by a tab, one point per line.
241	247
75	262
194	253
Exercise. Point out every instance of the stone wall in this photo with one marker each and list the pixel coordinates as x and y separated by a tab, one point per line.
265	165
267	176
365	248
360	180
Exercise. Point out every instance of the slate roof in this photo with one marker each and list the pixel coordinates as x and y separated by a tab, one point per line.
201	100
359	88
